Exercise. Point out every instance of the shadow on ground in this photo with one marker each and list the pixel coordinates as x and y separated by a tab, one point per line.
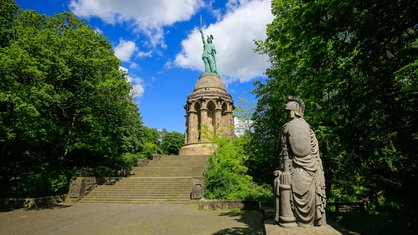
253	220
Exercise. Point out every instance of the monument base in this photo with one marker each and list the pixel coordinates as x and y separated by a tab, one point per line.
273	229
197	149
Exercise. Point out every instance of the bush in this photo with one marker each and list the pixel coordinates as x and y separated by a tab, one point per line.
224	184
36	184
100	171
129	159
227	179
59	184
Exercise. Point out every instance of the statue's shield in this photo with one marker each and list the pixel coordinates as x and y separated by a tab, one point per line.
299	137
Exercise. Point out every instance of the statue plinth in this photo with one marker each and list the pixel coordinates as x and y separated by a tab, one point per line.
271	228
197	149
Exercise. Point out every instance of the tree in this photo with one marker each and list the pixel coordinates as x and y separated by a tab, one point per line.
243	113
172	143
64	102
354	64
8	10
152	142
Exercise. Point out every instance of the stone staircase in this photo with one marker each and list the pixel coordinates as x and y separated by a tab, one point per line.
166	179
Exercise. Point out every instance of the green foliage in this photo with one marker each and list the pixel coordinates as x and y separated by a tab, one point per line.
59	184
161	142
245	109
64	103
40	184
129	159
374	224
152	142
97	171
227	177
172	143
355	66
8	8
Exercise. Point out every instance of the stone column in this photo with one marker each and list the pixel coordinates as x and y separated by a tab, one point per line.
203	122
229	121
219	129
186	137
193	127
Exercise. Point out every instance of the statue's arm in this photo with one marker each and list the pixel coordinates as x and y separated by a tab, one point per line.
213	51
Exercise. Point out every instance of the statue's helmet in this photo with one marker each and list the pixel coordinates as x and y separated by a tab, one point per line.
296	105
210	38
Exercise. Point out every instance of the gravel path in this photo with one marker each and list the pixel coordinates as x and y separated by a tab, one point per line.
129	219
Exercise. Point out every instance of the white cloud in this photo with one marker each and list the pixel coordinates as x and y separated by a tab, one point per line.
134	66
142	54
137	91
137	87
148	17
125	49
98	30
244	22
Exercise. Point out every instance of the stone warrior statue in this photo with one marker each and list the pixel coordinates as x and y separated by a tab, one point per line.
209	51
299	186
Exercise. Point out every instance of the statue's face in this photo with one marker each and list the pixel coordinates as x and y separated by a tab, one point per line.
290	114
292	107
209	40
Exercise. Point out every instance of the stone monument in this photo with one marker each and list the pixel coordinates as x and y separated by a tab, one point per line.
209	108
299	186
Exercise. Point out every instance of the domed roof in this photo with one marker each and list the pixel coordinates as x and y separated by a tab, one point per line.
209	80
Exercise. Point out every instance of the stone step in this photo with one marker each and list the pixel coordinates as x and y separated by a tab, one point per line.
123	189
141	201
135	196
140	194
157	178
140	181
166	173
166	179
138	191
145	185
151	187
178	160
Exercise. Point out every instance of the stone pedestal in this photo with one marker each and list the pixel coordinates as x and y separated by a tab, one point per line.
197	149
80	187
274	229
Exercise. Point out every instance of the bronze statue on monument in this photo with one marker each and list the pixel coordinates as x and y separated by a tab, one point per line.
209	52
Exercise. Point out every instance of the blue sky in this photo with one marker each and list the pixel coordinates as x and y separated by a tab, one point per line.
159	45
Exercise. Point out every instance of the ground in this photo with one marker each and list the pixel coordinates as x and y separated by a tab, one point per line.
129	219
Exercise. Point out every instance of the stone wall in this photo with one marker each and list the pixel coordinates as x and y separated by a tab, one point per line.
81	186
7	204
